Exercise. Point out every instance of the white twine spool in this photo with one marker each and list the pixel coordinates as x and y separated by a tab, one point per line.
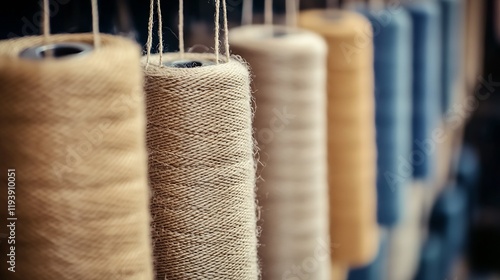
289	67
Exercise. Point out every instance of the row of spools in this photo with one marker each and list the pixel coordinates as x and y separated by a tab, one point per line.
284	173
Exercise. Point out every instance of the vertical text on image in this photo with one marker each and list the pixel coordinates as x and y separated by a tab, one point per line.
11	219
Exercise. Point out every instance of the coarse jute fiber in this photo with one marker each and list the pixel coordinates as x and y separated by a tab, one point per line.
351	133
201	169
289	87
74	130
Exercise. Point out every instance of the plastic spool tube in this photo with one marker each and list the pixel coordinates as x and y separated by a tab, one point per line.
351	134
289	69
201	168
73	127
426	84
393	97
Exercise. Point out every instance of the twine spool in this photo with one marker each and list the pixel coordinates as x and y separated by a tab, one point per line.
376	269
351	133
290	126
339	271
448	220
426	84
393	74
405	239
451	38
73	128
431	259
201	169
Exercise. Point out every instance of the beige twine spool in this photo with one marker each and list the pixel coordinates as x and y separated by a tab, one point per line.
73	128
351	133
201	165
202	170
290	124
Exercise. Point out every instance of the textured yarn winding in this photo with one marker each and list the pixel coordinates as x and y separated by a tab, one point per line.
74	130
289	69
201	170
351	133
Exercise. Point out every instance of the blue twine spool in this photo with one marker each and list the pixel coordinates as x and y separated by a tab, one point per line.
430	259
426	82
449	221
393	73
468	168
451	39
376	269
468	174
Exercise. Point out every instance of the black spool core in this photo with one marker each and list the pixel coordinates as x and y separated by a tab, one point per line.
60	51
56	51
280	33
187	64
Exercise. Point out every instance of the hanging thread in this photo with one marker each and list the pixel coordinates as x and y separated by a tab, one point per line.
181	28
351	134
292	8
290	77
95	24
247	13
46	20
75	129
268	12
149	42
160	33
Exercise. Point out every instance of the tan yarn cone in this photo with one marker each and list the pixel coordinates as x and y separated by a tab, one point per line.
202	170
290	124
339	272
73	128
351	133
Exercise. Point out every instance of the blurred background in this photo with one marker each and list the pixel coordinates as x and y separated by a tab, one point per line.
446	236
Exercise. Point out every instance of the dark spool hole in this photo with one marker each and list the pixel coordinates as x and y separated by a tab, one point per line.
279	34
60	51
187	64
